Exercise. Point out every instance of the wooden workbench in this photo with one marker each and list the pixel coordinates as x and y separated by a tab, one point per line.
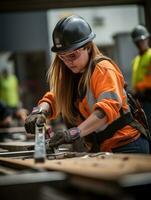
107	166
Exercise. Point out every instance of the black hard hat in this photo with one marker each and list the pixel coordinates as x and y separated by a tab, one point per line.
71	33
139	33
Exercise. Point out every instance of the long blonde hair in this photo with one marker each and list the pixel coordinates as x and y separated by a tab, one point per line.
61	80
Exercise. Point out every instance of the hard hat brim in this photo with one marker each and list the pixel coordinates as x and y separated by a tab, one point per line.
73	46
142	37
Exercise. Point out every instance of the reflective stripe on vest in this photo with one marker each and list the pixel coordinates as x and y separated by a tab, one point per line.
106	95
128	110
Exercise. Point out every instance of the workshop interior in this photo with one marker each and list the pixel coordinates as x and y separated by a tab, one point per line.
31	169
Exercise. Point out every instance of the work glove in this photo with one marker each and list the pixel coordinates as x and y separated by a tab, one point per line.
36	117
64	137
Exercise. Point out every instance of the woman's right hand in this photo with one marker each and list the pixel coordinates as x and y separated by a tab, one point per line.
37	116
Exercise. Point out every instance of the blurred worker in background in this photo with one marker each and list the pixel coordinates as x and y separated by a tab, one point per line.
88	91
5	116
141	69
9	89
9	94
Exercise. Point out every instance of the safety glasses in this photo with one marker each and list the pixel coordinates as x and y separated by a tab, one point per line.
71	56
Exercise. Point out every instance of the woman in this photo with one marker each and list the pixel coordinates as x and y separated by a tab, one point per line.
88	91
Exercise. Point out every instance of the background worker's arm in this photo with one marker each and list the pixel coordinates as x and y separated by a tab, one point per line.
96	120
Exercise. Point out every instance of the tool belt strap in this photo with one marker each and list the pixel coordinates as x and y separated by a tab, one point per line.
121	122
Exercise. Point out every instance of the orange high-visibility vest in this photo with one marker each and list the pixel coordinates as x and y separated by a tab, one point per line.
105	92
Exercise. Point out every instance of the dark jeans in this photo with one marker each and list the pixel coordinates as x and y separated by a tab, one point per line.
146	105
140	145
145	101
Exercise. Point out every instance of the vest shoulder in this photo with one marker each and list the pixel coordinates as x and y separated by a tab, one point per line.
104	65
149	52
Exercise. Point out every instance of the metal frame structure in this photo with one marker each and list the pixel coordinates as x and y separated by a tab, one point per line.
23	5
33	5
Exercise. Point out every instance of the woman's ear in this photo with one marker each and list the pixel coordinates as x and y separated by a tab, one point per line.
89	50
88	47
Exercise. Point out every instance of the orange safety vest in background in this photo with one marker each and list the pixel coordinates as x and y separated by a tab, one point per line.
105	92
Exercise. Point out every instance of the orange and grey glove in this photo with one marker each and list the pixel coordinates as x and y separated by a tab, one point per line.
64	137
37	116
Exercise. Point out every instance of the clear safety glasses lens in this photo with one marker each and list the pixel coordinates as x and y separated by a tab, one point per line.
70	56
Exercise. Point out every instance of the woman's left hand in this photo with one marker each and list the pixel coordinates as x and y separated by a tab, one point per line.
63	137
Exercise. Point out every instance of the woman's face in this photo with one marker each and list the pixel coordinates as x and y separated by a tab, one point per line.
76	60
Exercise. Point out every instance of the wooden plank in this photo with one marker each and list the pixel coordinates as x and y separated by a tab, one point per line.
110	167
13	130
17	164
17	145
3	150
8	171
102	167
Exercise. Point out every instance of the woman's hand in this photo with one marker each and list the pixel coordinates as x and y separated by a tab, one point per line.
37	116
64	137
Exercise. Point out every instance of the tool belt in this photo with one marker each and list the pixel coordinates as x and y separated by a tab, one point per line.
121	122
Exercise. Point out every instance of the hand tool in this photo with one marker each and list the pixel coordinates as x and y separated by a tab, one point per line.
40	149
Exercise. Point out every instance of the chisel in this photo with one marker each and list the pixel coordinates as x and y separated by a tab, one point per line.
40	149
